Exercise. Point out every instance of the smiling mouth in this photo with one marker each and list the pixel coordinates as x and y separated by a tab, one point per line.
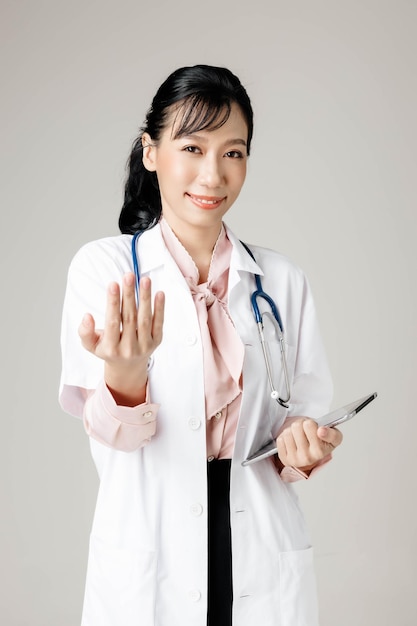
206	202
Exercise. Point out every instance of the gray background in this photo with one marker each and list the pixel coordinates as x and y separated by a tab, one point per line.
331	184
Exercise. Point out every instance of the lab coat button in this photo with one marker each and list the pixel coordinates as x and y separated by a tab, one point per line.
194	423
194	595
190	340
196	509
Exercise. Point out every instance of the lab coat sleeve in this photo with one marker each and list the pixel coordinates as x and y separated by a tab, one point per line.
312	387
85	293
93	267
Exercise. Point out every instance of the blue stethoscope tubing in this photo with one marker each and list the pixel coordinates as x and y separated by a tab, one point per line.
136	262
258	293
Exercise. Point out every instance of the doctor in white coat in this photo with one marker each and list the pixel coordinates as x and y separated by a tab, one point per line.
183	534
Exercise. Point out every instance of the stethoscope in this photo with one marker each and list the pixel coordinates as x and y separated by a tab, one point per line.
258	293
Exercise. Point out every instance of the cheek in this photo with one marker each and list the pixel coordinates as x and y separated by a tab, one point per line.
239	178
175	170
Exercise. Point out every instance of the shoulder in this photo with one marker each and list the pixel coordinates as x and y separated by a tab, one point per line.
101	253
263	255
267	259
106	246
277	271
272	258
280	272
100	261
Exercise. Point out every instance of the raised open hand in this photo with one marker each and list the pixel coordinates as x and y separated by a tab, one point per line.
130	336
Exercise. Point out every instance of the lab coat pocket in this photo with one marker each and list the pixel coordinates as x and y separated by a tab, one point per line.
298	596
121	585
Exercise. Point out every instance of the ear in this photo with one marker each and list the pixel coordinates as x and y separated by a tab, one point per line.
149	153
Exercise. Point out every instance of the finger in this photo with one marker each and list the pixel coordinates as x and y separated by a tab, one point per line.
282	450
112	317
332	436
315	443
158	317
306	451
87	333
303	445
144	317
286	443
128	308
300	435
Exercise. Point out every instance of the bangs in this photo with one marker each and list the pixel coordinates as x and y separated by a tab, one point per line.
198	112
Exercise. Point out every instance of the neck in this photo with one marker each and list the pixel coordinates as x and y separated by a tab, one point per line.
199	243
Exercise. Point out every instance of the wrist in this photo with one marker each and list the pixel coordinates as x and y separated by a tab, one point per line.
127	385
278	463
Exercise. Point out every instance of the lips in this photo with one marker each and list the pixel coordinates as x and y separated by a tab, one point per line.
206	202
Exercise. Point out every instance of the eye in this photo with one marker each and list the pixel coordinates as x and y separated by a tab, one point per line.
234	154
192	149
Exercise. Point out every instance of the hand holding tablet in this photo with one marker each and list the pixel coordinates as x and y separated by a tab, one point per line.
334	418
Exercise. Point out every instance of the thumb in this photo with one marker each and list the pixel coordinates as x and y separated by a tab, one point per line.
87	332
333	436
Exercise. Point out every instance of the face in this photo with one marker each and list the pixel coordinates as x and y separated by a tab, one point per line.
200	175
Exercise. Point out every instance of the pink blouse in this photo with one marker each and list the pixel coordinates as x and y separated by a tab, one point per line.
223	350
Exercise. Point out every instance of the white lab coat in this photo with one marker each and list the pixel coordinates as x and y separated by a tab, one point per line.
148	548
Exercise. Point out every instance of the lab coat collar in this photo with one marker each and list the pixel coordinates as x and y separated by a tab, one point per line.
241	259
151	249
153	253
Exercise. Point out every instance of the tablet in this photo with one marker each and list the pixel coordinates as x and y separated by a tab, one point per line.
334	418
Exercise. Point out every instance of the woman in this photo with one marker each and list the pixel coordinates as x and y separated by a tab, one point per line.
175	395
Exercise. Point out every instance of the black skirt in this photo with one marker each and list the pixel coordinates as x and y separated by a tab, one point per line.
220	591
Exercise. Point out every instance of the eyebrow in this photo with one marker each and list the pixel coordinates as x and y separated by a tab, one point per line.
228	142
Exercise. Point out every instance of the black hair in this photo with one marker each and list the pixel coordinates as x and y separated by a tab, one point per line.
204	95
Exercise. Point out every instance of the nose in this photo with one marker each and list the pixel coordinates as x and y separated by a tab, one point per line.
211	172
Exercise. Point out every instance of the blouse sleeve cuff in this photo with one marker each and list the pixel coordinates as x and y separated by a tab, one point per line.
291	474
136	415
119	427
